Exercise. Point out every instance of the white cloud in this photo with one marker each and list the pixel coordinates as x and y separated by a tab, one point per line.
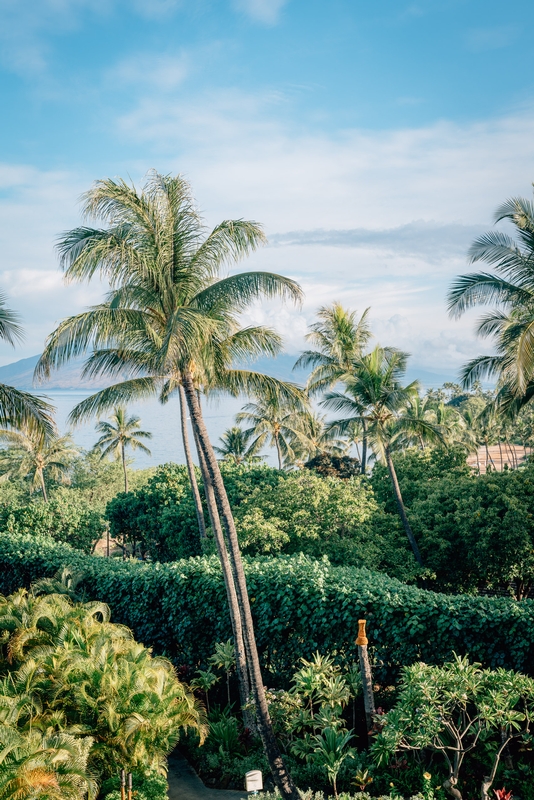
35	206
380	219
265	11
245	161
161	73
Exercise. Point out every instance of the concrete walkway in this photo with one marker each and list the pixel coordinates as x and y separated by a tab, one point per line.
184	783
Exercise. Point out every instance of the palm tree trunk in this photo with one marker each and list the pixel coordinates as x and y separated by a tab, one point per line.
364	446
400	504
279	452
233	604
281	776
191	467
123	455
43	487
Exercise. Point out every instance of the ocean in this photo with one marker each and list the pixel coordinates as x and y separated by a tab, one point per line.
163	421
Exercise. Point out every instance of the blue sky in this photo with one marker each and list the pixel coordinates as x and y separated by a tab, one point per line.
373	140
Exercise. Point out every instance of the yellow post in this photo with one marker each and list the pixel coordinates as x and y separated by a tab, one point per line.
367	677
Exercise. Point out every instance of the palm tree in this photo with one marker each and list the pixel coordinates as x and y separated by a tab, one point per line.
511	287
313	437
29	455
169	320
20	410
340	339
237	447
374	392
119	433
273	421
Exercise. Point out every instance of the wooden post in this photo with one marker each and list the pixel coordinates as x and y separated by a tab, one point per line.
367	678
129	786
123	785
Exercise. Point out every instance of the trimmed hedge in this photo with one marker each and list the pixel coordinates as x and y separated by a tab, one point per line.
300	606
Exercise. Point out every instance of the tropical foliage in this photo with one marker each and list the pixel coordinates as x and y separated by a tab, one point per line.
118	434
179	609
80	699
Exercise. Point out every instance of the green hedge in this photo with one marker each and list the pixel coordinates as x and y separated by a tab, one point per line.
300	605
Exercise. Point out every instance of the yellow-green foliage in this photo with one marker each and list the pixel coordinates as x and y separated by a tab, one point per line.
80	698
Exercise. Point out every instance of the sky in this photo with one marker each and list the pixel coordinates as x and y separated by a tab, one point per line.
372	140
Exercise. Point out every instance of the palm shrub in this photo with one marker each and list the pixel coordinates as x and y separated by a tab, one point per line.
84	685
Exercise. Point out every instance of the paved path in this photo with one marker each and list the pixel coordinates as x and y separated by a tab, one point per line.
184	783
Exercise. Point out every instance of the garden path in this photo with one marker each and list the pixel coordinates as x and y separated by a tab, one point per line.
184	783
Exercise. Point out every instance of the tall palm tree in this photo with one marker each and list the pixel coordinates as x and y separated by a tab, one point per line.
29	455
339	338
168	320
118	433
374	392
511	287
20	410
236	445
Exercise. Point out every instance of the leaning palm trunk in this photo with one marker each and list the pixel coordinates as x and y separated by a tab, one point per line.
233	604
191	467
400	504
280	774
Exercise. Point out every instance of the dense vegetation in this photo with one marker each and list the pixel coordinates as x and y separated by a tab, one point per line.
300	605
407	507
80	699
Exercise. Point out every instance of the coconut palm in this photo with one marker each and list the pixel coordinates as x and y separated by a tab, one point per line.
236	446
511	287
29	455
313	437
340	338
118	433
275	422
374	392
20	410
168	321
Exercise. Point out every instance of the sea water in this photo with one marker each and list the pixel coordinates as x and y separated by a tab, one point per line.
162	421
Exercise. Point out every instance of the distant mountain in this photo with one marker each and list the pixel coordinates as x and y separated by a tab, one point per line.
20	374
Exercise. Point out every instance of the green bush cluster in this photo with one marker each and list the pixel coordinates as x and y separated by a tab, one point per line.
474	531
68	517
275	512
80	698
300	605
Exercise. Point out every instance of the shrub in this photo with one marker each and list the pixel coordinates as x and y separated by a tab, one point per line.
478	530
455	711
67	517
300	605
318	516
80	698
275	512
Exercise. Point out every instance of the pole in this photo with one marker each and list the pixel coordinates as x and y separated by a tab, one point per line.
129	786
123	785
367	677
